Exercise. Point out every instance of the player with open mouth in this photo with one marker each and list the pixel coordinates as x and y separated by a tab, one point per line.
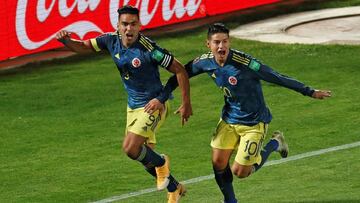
245	117
138	59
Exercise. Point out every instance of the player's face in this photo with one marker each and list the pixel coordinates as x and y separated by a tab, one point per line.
219	44
129	27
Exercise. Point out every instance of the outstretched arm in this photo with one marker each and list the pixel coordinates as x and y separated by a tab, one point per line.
268	74
77	46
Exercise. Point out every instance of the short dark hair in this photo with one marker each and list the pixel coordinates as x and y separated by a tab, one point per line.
217	28
127	9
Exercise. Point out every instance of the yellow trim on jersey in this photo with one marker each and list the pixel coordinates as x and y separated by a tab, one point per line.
241	59
146	43
94	44
207	55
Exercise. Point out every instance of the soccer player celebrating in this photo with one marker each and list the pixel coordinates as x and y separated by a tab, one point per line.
245	117
137	59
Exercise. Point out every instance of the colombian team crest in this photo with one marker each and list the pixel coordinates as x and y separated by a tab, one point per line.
232	80
136	62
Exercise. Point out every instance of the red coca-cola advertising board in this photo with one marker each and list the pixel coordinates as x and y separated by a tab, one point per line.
29	26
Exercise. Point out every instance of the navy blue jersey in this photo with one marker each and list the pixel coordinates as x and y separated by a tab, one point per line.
138	65
239	79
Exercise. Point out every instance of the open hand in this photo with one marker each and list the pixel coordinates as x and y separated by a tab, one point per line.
154	105
63	36
321	94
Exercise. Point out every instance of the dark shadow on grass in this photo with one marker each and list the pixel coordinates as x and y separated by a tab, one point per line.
50	65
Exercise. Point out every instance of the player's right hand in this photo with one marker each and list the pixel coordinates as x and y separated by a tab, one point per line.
63	36
154	105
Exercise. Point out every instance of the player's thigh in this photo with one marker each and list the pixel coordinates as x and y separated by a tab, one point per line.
225	137
133	142
144	124
220	158
252	138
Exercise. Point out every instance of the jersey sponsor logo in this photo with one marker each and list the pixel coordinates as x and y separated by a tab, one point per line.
136	63
232	80
157	55
254	65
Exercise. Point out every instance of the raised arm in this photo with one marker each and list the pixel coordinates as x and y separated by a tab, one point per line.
78	46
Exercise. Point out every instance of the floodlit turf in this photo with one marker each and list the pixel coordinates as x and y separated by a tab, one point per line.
62	125
326	178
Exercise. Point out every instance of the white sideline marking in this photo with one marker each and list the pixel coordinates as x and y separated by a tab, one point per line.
202	178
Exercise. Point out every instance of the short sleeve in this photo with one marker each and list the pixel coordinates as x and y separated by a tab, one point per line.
100	43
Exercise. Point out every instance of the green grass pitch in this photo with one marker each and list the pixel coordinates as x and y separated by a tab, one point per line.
62	127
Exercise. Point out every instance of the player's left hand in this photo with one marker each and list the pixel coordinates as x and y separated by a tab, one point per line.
154	105
321	94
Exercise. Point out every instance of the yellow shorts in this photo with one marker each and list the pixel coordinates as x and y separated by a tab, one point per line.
247	139
144	124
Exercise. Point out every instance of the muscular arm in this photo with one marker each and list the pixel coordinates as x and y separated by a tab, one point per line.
77	46
185	109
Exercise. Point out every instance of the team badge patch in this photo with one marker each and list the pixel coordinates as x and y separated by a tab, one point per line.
157	55
232	80
254	65
136	63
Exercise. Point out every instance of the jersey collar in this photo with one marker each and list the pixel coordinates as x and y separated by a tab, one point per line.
227	60
123	48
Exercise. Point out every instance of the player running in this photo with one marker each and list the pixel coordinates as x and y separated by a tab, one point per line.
245	117
137	59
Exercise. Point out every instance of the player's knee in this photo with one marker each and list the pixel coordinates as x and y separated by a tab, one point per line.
131	151
241	172
219	164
